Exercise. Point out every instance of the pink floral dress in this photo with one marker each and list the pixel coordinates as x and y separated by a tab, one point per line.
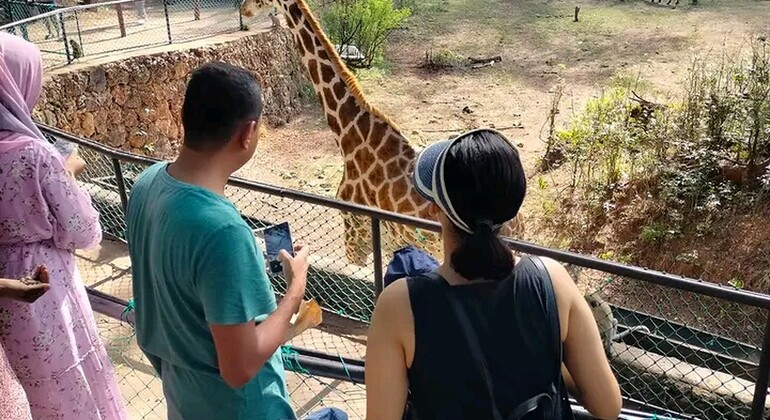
13	400
52	344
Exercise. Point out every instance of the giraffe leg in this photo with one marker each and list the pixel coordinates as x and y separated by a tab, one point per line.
358	242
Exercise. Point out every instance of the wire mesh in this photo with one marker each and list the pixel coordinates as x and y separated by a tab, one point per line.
98	29
690	353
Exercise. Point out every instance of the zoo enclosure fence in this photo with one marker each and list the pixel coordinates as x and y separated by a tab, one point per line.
66	34
680	338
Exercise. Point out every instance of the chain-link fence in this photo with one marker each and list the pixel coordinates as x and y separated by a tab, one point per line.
692	347
66	35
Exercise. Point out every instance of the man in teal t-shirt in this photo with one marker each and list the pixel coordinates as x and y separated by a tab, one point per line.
206	315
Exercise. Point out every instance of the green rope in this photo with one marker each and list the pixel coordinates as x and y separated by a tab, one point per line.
129	307
287	354
345	366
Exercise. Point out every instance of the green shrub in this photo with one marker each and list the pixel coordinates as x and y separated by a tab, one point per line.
442	59
365	24
709	152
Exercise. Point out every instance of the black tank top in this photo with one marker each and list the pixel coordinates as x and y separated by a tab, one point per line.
443	380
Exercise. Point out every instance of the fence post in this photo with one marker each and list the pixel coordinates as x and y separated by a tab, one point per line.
763	376
121	21
240	19
121	184
197	9
168	22
64	38
80	38
377	250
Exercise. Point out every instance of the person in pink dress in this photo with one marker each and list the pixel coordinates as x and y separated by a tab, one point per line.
52	344
13	400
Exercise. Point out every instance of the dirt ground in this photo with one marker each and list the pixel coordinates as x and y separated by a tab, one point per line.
539	45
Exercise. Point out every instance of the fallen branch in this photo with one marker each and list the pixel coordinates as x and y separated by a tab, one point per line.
494	59
482	65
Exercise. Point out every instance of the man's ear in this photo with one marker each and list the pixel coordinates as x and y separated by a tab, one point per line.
248	134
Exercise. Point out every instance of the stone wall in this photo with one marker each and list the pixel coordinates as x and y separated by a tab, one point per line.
135	103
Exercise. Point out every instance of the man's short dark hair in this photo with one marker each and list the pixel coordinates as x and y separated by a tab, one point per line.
219	98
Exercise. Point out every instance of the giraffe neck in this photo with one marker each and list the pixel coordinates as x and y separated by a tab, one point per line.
336	87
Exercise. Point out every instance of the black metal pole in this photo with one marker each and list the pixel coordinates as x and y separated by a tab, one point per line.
763	376
168	22
121	184
240	18
377	250
64	37
80	38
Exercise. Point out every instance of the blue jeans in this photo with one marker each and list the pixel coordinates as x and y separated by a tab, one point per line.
329	413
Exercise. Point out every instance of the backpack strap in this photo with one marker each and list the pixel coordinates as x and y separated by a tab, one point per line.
558	388
544	277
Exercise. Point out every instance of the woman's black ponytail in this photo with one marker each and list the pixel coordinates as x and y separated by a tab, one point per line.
486	186
482	254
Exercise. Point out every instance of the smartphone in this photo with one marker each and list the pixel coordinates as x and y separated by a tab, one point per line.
277	237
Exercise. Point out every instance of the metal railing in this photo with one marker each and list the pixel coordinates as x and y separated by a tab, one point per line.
65	35
696	334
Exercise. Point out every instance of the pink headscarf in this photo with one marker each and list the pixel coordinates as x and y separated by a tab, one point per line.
21	82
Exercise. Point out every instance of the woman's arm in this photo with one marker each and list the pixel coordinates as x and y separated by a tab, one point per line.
590	378
76	222
386	379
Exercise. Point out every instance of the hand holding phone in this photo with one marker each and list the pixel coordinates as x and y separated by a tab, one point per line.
295	269
277	239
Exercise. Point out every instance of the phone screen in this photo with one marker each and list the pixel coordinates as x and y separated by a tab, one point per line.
277	237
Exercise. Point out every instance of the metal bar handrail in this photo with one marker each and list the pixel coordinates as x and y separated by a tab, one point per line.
723	292
62	11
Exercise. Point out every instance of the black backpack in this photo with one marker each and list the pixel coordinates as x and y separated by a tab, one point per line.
553	403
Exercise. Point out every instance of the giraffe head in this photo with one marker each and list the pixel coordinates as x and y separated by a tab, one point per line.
250	8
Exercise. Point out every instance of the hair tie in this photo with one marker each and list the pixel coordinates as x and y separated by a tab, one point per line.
485	226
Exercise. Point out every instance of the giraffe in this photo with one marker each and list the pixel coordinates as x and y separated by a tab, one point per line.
378	159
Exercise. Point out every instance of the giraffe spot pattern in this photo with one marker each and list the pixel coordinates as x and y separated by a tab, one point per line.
327	73
351	170
364	124
371	196
405	206
323	55
329	97
379	131
358	196
298	44
376	174
348	111
339	89
393	169
350	141
346	192
312	68
383	195
307	41
333	124
390	148
365	159
400	187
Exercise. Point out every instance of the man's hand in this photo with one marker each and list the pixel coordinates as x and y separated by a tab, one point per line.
75	164
295	270
26	289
